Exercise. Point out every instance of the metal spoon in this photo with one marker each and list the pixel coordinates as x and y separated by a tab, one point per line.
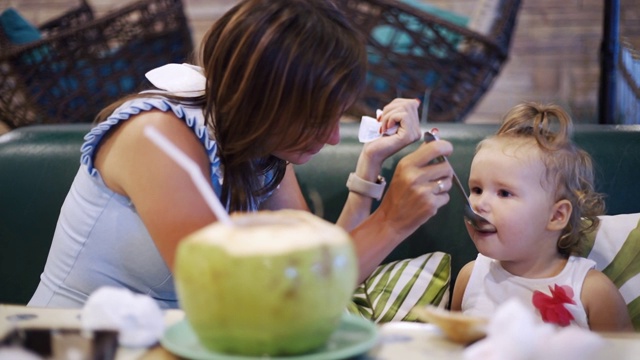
472	218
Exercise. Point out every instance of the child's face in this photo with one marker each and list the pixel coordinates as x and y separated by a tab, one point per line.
506	187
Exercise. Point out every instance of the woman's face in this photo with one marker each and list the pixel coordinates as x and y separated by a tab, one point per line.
298	156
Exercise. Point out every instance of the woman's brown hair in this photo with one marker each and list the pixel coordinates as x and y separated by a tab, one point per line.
279	75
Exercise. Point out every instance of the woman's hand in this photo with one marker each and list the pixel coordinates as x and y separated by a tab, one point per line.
401	112
413	197
418	188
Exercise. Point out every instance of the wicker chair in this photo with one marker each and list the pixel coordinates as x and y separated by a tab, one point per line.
425	55
82	64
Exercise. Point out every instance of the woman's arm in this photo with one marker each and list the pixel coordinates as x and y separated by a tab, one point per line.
460	286
412	198
164	195
402	112
605	307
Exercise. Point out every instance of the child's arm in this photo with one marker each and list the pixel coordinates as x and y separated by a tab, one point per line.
605	307
460	286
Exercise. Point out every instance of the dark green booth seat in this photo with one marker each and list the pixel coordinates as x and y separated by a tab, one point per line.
38	163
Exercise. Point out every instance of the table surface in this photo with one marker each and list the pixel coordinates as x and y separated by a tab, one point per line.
405	341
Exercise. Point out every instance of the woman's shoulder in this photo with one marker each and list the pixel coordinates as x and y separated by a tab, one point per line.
145	106
156	111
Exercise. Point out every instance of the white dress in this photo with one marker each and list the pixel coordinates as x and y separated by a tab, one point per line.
490	285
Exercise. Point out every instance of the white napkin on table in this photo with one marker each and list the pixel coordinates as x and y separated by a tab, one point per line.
514	334
138	318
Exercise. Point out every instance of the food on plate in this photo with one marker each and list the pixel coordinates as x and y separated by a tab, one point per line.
456	326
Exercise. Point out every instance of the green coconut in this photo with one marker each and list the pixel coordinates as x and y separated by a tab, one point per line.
275	283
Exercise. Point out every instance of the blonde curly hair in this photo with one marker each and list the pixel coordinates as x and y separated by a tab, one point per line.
568	168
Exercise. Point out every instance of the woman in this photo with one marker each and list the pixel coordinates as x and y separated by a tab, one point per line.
276	77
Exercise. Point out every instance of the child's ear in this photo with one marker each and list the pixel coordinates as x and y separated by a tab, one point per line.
560	215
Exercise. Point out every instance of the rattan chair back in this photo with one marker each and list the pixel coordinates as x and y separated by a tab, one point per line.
82	64
425	54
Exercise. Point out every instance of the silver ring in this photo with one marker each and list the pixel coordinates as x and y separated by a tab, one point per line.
440	185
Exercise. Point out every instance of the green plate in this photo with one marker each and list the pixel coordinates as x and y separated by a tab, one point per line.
354	336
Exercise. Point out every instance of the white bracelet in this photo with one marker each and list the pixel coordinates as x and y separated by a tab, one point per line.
366	188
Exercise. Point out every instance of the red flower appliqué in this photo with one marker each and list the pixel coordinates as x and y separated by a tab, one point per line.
552	307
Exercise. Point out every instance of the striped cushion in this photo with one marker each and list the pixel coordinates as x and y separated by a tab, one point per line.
616	250
395	288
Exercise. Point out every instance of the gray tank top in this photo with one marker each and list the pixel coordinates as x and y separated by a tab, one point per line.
99	238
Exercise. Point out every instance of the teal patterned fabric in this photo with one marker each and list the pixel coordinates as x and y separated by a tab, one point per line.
17	29
401	41
19	32
395	288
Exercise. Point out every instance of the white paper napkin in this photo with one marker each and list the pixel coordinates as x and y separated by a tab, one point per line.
137	318
514	334
370	128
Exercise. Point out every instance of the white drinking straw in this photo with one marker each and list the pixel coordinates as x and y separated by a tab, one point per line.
192	169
